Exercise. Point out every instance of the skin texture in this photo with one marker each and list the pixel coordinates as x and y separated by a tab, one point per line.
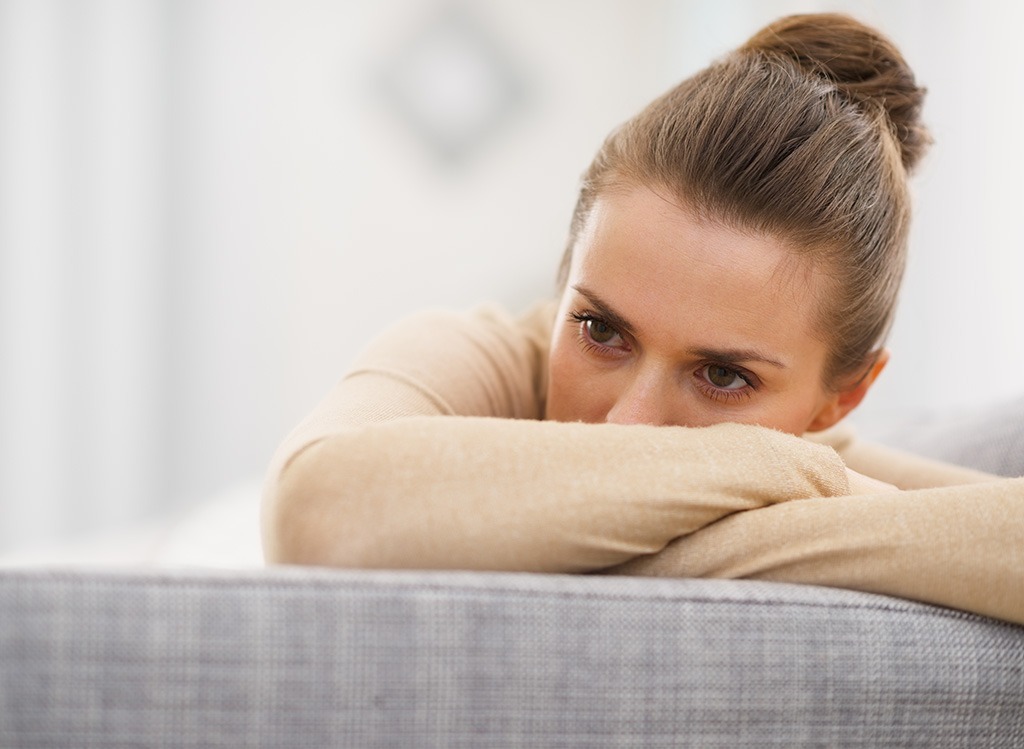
670	318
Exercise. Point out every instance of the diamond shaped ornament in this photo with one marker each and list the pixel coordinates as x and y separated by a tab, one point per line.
452	85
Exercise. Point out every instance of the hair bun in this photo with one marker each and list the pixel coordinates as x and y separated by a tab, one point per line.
862	63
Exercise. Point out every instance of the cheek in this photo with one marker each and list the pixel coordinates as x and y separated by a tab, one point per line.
572	393
796	413
792	423
560	374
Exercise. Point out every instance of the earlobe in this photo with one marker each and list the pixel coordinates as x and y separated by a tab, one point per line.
849	397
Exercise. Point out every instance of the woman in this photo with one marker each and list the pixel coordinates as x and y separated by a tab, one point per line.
731	274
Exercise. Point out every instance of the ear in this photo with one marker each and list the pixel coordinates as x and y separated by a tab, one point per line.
840	403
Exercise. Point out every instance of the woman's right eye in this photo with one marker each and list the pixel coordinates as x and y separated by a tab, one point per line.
599	335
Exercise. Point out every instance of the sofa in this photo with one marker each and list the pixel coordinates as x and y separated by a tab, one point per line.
193	656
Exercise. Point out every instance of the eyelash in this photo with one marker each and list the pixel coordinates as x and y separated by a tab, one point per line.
717	394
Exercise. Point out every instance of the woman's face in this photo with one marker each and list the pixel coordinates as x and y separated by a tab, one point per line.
668	319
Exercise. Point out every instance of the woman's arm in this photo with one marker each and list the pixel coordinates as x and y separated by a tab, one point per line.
431	454
959	546
477	493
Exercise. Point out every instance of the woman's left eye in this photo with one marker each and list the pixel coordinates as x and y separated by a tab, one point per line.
724	378
600	332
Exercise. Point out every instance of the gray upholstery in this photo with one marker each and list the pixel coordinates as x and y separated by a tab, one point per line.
990	439
314	658
317	658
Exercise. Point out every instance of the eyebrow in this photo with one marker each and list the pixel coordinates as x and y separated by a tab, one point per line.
737	356
605	310
724	356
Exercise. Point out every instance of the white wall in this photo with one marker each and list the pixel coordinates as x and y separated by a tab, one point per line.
307	214
81	256
208	206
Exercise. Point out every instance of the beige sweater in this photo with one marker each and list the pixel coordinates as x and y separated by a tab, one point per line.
431	453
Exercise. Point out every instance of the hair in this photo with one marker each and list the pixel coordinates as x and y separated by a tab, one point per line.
807	133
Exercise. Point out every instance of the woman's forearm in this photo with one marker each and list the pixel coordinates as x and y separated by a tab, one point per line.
959	546
484	493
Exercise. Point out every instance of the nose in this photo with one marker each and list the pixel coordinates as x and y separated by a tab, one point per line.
646	399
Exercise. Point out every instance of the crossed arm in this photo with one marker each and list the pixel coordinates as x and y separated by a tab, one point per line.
412	464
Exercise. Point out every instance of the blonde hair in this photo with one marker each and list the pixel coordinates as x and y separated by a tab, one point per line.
807	133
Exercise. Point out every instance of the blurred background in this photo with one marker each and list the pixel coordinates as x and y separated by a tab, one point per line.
207	207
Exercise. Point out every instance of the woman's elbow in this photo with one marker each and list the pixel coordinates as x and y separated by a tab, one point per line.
287	538
303	512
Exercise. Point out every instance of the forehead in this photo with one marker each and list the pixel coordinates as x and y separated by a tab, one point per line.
661	262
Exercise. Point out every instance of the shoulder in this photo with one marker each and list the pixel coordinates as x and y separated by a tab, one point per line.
483	361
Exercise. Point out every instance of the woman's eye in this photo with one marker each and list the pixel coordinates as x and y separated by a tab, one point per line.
724	378
599	332
595	333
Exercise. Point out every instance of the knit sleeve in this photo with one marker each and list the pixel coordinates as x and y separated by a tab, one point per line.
957	546
436	363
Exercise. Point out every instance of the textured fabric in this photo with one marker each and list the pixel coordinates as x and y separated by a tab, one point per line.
430	454
311	658
942	546
990	439
477	493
